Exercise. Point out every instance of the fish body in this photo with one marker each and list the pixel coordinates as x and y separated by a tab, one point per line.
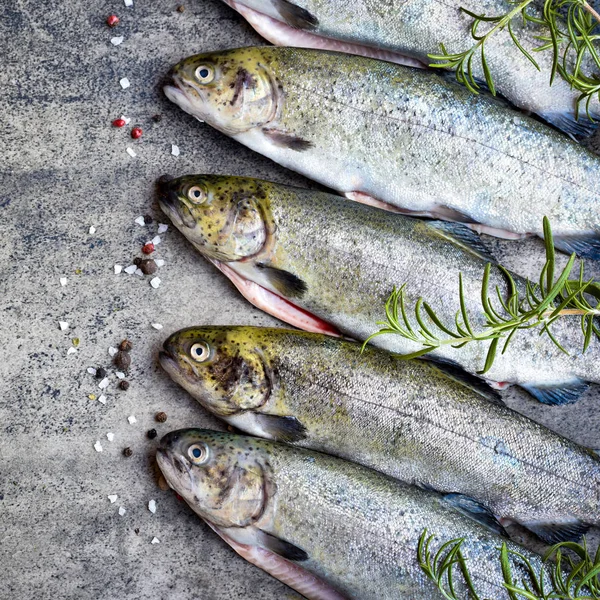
401	30
327	265
407	419
400	138
328	528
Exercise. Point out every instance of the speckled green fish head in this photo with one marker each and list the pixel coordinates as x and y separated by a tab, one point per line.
223	368
233	90
223	477
226	218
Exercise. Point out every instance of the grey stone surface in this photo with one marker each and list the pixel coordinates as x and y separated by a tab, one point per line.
63	168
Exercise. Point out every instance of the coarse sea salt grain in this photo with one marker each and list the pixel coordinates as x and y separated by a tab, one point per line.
131	152
117	40
156	240
110	436
91	371
155	282
104	383
120	375
63	325
92	230
162	227
152	506
122	511
139	272
63	281
174	150
71	350
113	498
98	446
130	270
128	2
112	351
131	419
102	399
157	326
118	269
159	262
140	221
126	119
124	82
155	540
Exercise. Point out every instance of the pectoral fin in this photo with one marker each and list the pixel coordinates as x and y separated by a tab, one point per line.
476	511
282	139
281	429
281	547
461	236
556	396
554	533
285	282
295	16
585	246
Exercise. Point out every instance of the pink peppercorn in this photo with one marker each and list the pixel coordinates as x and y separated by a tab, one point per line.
112	20
119	123
148	248
136	133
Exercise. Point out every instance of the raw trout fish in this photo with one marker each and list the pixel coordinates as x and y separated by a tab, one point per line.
407	32
411	420
399	138
323	264
330	529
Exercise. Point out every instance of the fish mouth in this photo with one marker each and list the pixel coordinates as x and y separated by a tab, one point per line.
167	362
171	205
175	92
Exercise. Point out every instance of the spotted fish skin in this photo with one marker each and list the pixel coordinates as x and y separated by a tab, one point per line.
402	30
315	260
346	526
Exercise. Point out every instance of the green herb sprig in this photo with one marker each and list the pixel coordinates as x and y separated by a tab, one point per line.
539	306
570	39
571	575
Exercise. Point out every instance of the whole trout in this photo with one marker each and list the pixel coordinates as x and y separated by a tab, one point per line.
330	529
405	31
327	265
398	137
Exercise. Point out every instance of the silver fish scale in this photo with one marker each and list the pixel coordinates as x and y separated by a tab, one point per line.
360	528
352	256
408	420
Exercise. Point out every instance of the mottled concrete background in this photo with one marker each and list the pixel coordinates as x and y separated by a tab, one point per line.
63	168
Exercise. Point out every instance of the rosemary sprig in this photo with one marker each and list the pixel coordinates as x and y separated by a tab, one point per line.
570	38
539	306
568	568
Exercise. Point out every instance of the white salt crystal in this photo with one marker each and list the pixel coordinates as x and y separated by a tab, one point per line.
98	446
122	511
117	40
155	540
126	119
131	152
139	272
118	269
156	240
157	326
162	227
159	262
128	2
140	221
112	351
71	350
92	230
120	375
132	420
63	281
102	399
91	371
155	282
113	498
130	270
110	436
63	325
124	83
174	150
152	506
103	384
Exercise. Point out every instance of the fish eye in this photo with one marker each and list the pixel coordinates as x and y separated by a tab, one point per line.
196	194
200	352
198	453
205	74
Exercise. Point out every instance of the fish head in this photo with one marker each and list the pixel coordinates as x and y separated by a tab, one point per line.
223	477
234	90
221	367
226	218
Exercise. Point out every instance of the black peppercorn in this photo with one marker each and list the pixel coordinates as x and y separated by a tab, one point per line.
100	373
148	266
136	261
161	417
148	219
152	434
125	346
127	451
157	118
124	385
122	360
